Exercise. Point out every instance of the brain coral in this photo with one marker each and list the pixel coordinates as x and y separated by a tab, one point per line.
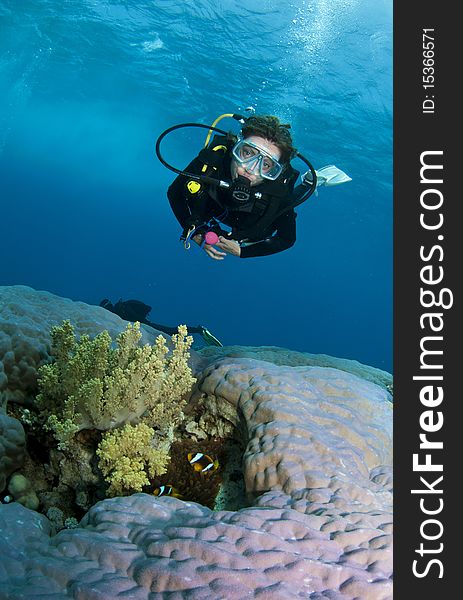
292	358
12	446
317	468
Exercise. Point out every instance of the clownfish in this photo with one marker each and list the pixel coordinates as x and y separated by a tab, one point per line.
166	490
202	463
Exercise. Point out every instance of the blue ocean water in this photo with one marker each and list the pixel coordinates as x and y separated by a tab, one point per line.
88	85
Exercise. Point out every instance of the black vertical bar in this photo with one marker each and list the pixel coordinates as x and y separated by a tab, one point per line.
427	314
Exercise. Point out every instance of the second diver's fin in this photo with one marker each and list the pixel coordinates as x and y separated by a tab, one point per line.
210	339
331	175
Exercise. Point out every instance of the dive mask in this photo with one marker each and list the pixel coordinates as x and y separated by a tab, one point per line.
254	157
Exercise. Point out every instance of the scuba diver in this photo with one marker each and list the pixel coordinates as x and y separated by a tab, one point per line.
135	310
238	195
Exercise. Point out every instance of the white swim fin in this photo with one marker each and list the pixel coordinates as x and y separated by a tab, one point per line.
331	175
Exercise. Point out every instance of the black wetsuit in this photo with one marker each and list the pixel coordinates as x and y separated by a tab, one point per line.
279	235
135	310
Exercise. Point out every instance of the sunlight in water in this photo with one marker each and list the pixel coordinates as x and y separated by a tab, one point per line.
315	24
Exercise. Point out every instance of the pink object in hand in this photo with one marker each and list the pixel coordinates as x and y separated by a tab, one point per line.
211	238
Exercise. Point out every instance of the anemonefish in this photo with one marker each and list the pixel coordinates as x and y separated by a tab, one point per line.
166	490
202	463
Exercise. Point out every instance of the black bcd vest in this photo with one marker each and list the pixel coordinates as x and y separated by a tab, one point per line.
275	197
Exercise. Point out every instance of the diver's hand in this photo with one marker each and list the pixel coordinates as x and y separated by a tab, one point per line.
230	246
213	252
209	249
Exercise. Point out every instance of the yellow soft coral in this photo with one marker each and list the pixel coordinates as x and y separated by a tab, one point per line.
127	458
94	386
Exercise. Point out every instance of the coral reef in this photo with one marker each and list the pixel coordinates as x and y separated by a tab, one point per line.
26	319
292	358
21	490
194	486
317	470
127	458
12	446
93	386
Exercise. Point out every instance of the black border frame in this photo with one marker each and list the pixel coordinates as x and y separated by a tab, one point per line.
416	132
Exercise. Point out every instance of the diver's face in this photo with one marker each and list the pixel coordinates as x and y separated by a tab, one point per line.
251	172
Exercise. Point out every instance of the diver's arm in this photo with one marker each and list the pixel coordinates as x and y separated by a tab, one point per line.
284	238
300	190
177	195
163	328
173	330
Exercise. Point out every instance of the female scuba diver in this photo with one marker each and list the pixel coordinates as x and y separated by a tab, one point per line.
246	184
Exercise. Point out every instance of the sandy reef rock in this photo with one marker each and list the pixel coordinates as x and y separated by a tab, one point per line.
317	468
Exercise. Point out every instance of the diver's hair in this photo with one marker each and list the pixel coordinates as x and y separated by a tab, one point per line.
270	128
